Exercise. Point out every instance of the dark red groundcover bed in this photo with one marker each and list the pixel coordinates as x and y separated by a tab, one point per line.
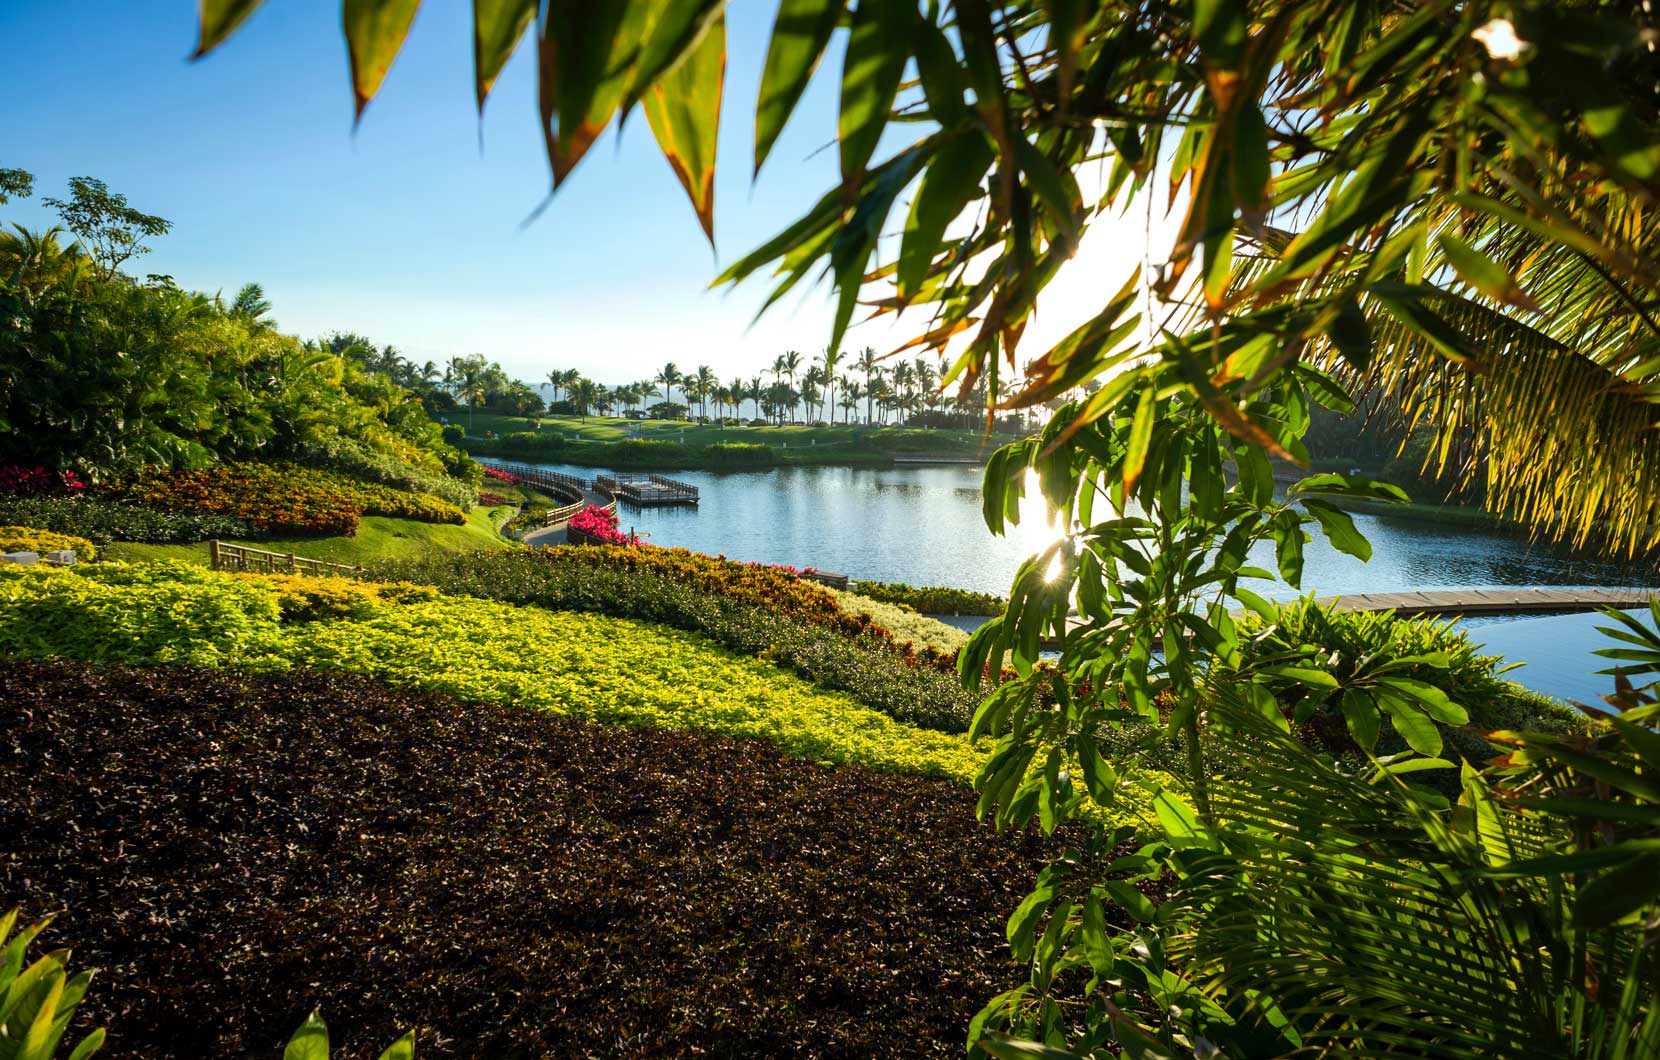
232	850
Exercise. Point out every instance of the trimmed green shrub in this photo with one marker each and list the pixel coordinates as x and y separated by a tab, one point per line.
933	600
739	454
101	520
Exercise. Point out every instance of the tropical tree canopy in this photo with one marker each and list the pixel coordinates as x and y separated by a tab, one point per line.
1448	199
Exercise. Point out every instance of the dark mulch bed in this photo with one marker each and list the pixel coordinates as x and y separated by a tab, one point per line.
233	850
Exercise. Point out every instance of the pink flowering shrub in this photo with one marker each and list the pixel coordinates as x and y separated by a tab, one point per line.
502	476
599	524
22	481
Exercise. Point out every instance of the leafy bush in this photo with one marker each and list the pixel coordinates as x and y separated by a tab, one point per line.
933	600
19	481
370	464
530	517
1353	647
101	520
283	498
28	539
165	612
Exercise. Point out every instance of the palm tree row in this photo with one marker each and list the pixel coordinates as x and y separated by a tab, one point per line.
791	389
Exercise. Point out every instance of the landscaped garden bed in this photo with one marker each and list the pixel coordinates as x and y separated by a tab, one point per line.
282	498
236	849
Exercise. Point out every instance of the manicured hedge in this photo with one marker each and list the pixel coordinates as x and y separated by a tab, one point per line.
283	498
101	520
235	849
933	600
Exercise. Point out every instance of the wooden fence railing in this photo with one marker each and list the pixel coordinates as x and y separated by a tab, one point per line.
225	556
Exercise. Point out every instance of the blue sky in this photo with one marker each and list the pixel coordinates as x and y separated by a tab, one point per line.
405	230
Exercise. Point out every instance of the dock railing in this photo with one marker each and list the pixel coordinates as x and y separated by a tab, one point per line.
225	556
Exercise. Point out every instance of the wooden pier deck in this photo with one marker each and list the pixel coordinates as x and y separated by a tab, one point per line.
1458	602
577	493
652	491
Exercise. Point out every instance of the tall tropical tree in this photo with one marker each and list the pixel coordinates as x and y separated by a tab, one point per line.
754	391
467	378
830	360
556	382
870	364
706	383
668	377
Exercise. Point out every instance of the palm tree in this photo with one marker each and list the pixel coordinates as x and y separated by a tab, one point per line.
466	377
706	383
584	393
811	380
251	306
754	392
867	363
831	358
668	377
739	391
556	381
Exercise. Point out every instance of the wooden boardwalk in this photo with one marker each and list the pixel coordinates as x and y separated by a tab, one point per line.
653	491
578	494
1492	601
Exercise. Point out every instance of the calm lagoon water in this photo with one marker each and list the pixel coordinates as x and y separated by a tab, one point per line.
923	525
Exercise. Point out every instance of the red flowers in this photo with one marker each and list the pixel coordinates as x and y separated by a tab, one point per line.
490	500
599	524
34	481
501	476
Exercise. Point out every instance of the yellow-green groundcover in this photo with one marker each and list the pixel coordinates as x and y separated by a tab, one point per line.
589	666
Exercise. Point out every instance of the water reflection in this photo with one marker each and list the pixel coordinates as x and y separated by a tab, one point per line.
923	525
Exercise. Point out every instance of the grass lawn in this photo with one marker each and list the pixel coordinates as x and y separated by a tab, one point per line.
616	429
378	537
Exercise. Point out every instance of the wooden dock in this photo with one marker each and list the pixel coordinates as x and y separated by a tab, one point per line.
577	493
1456	602
652	491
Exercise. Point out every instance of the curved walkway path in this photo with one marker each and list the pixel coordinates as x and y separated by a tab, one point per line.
1492	601
555	534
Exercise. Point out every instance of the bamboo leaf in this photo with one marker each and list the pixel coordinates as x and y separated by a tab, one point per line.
498	26
375	31
219	19
799	35
1483	273
677	32
1141	434
587	53
950	183
877	48
683	110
